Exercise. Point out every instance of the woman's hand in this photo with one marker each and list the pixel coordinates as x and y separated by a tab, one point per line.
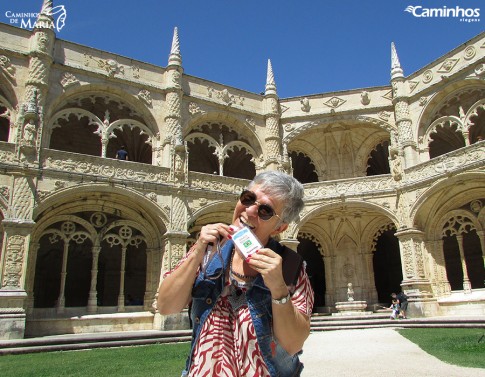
213	233
270	265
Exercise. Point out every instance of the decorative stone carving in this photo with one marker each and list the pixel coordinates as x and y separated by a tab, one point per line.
110	66
427	76
476	206
480	69
145	96
226	97
448	65
388	95
423	101
194	109
305	105
13	262
334	102
413	85
364	98
7	68
469	52
98	219
29	133
251	122
385	115
68	79
135	71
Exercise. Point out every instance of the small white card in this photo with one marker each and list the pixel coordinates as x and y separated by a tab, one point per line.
246	241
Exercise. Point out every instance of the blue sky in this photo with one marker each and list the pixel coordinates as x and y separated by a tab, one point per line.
315	46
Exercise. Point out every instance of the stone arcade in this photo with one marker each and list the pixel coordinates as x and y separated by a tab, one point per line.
394	181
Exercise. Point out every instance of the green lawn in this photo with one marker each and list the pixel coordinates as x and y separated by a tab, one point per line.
463	347
154	360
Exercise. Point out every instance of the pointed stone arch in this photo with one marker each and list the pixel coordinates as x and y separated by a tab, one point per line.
101	116
216	147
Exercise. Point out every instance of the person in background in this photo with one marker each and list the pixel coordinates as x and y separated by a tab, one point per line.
394	308
122	154
403	304
249	318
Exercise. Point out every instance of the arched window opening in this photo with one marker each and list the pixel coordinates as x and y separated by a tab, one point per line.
454	272
444	140
477	130
78	274
303	168
378	162
77	136
310	252
463	254
238	164
109	273
135	142
47	282
202	157
4	124
387	266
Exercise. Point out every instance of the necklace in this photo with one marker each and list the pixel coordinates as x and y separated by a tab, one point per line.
237	274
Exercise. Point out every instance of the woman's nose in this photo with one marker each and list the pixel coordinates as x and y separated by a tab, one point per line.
252	210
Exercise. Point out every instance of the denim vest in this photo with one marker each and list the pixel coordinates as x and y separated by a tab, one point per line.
205	294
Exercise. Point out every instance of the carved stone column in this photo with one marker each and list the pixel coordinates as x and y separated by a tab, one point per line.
13	296
467	287
416	283
481	236
173	112
401	111
154	258
273	147
93	294
175	249
31	116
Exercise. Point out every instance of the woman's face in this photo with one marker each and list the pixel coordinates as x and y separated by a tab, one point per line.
248	216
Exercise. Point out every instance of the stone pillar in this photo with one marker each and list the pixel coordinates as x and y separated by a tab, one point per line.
467	287
93	294
154	258
416	283
400	100
31	110
173	113
61	301
121	294
481	236
272	114
17	226
175	249
13	296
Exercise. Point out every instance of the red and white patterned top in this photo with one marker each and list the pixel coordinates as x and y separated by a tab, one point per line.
228	344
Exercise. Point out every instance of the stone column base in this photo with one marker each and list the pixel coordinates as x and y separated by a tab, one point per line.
179	321
12	314
421	302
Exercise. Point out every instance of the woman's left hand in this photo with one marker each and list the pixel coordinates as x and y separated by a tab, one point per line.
269	264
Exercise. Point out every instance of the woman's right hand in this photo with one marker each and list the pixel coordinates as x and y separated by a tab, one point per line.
213	233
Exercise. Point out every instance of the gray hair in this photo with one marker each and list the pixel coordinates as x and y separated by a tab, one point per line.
283	187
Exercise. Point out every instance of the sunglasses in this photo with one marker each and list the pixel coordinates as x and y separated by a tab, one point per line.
265	212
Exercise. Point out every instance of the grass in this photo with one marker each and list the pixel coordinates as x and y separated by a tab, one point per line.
161	360
463	347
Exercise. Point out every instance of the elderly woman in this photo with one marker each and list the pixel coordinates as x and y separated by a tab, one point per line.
251	313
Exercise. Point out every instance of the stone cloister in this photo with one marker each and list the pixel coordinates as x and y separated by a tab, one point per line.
394	181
